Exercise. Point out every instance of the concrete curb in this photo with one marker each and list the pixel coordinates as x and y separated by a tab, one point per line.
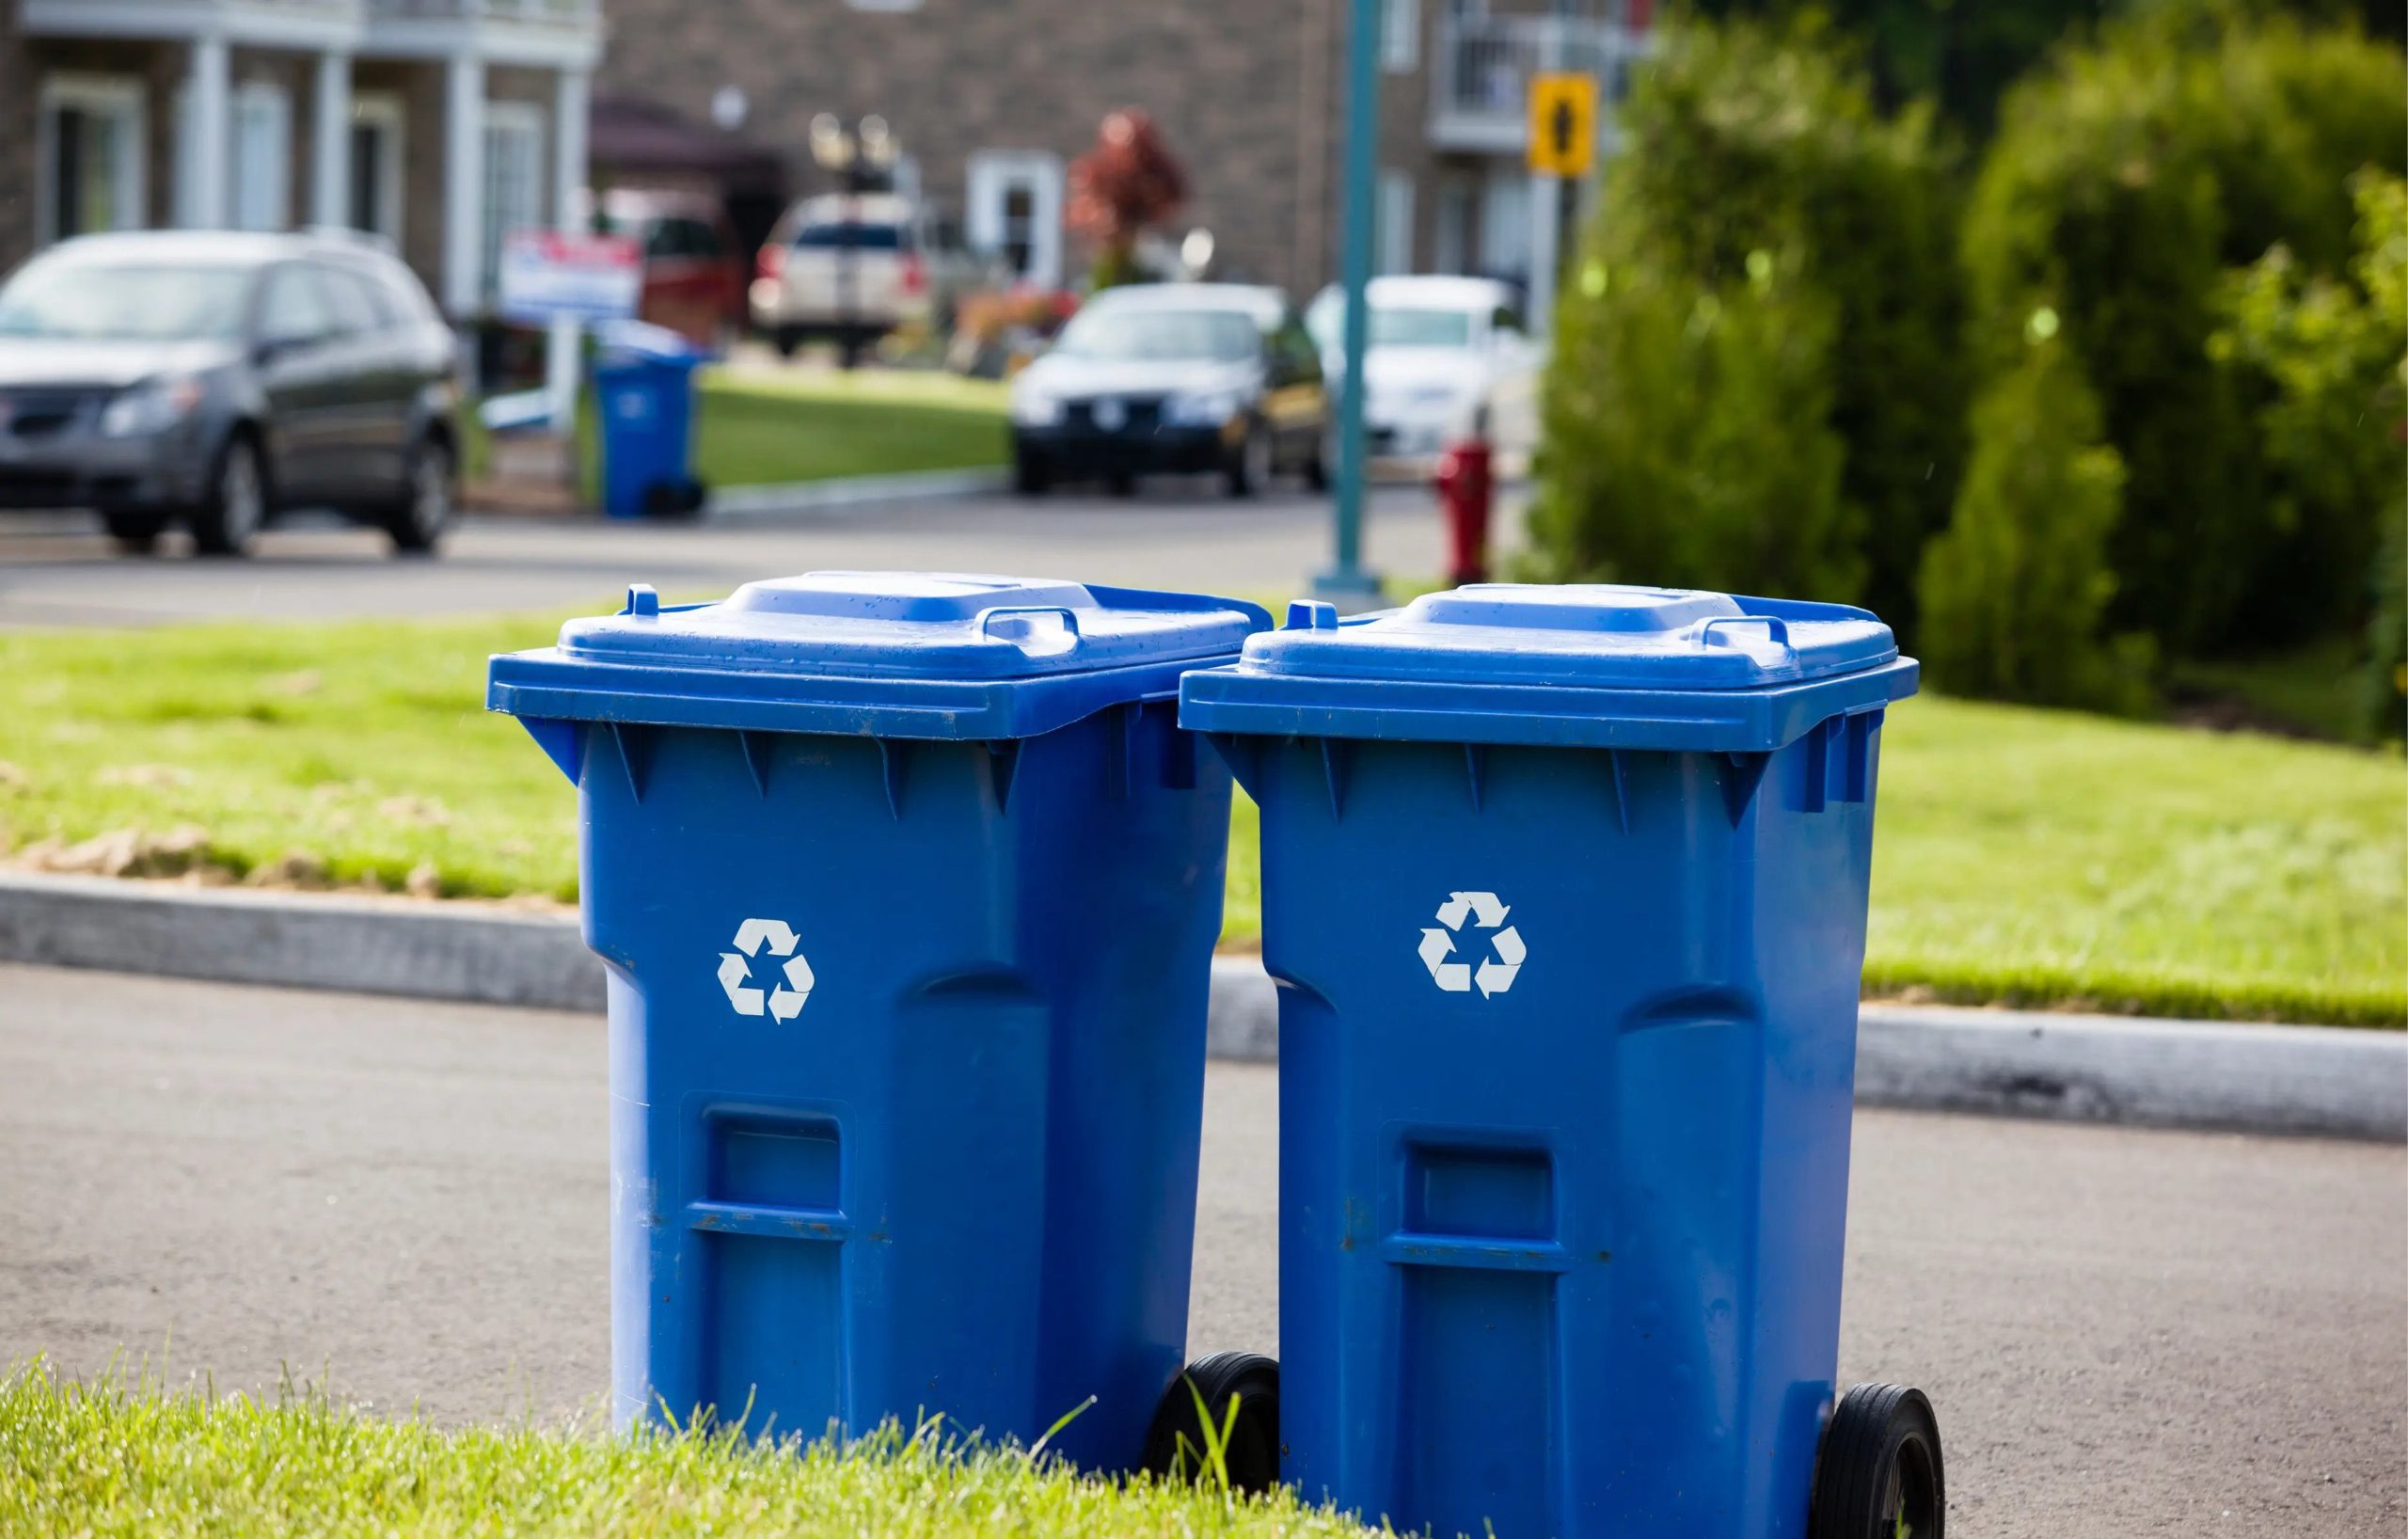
2315	1080
736	504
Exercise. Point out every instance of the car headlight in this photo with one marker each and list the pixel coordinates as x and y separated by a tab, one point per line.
1203	408
153	407
1032	407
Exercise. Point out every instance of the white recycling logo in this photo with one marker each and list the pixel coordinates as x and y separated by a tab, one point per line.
1495	973
786	999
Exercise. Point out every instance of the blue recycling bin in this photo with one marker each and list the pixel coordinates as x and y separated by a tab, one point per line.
907	886
1564	890
644	403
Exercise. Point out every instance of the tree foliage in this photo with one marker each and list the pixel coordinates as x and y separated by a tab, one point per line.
1129	183
2125	181
1762	209
2016	587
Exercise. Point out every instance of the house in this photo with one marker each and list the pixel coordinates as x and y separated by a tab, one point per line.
436	123
991	102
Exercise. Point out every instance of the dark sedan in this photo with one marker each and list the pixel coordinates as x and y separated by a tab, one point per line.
1174	376
215	380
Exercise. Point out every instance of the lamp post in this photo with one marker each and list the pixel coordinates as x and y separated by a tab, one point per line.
1346	584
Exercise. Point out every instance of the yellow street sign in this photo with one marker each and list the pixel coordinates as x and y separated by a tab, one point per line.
1563	125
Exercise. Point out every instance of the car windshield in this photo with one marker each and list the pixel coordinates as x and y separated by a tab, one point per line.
124	301
857	237
1129	333
1393	326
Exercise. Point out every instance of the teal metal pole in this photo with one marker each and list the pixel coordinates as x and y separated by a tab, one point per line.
1346	582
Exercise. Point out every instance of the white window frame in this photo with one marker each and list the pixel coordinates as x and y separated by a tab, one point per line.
991	174
124	94
510	117
385	112
270	185
1392	249
1400	35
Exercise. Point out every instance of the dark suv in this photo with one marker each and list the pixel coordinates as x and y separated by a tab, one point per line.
217	379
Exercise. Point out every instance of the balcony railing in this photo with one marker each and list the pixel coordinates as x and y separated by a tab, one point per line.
1480	87
566	12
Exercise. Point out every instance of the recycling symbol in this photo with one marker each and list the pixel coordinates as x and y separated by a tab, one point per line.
1495	973
785	1000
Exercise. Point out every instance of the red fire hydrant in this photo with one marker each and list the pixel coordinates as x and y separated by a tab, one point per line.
1466	486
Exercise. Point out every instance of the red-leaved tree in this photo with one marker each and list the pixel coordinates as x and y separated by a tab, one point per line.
1129	183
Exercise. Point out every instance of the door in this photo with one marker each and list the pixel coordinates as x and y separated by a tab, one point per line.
1015	213
370	389
295	347
1296	405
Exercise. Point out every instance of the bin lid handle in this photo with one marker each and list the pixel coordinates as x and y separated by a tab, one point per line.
1020	635
1777	627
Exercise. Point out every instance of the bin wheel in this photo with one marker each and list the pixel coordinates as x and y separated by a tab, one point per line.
1176	1443
1879	1475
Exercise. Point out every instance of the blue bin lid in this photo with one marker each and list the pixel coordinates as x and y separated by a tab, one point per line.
1586	665
928	655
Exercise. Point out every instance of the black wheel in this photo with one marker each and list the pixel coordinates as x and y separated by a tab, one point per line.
1177	1446
1249	467
787	341
429	493
136	533
236	504
1879	1475
1031	475
1120	483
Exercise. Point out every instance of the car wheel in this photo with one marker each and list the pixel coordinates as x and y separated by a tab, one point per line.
136	534
429	494
1031	475
237	502
787	341
1249	469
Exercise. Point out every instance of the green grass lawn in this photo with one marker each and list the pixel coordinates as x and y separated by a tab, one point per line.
2024	856
759	429
108	1461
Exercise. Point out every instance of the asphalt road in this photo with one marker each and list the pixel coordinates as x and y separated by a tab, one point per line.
58	570
2127	1333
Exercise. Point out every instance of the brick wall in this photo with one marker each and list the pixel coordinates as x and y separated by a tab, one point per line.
1227	80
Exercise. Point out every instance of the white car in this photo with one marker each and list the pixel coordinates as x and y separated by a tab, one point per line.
1447	359
850	267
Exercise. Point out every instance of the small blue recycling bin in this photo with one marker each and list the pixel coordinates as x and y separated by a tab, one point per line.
1564	890
644	399
908	887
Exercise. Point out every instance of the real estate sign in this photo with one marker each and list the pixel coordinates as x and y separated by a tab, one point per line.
547	276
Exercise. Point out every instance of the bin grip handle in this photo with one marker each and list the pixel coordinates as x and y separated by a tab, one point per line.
1070	616
1775	625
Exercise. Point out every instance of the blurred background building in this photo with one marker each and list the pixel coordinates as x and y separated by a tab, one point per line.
439	124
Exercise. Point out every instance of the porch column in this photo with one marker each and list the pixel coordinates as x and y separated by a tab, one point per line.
331	160
202	201
464	185
572	111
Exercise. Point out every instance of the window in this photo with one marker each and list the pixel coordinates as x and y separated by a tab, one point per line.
262	187
89	143
1393	253
514	199
1400	35
293	308
1015	212
376	163
1505	225
357	308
